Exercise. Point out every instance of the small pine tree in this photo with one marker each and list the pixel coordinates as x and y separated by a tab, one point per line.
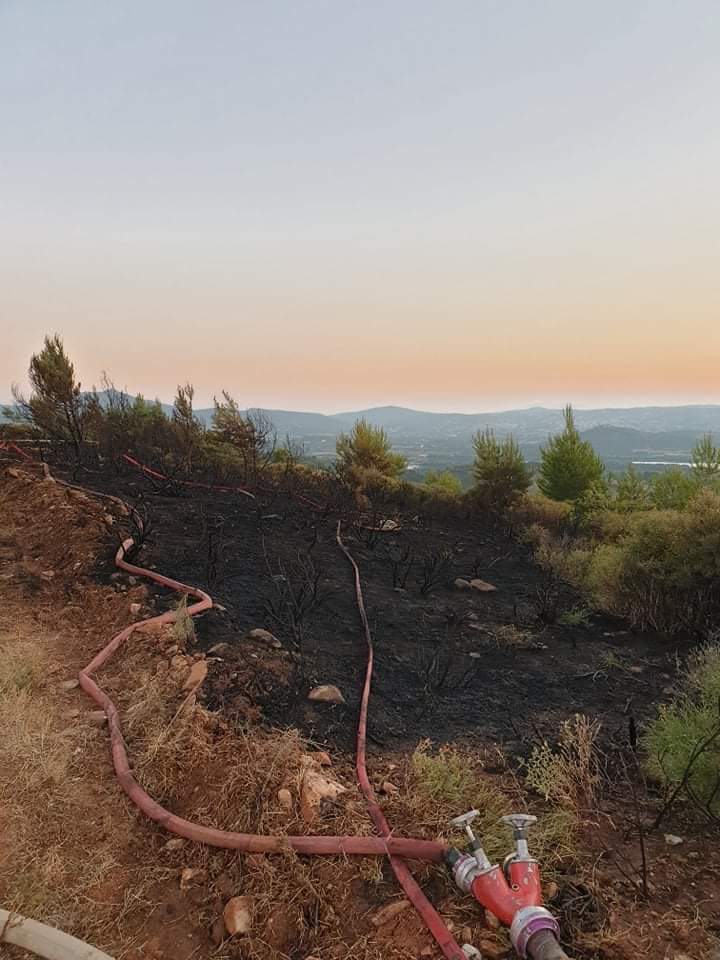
674	488
500	471
631	492
187	428
706	458
367	449
568	464
57	406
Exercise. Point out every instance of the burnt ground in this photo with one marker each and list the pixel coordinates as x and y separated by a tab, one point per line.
451	664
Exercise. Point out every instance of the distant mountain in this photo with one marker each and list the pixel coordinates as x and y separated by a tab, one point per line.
427	438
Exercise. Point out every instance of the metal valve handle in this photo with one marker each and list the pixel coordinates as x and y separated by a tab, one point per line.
520	822
464	820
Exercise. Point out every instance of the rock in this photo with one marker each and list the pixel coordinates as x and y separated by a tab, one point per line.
197	675
491	920
14	472
70	684
218	931
391	912
265	636
389	788
175	843
109	520
135	608
320	757
672	841
316	788
220	648
178	663
191	876
238	915
550	890
461	584
475	655
482	585
115	577
285	800
326	693
389	525
71	714
493	949
151	628
427	952
97	717
636	669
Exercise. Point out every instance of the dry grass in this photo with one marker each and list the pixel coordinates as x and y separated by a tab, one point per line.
569	775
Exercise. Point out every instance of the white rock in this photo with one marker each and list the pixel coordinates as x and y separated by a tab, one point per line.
265	636
672	841
70	684
482	585
238	915
326	693
461	584
316	788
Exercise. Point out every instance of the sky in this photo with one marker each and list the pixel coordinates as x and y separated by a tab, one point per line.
333	204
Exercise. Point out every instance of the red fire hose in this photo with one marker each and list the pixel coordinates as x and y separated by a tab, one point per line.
433	921
245	842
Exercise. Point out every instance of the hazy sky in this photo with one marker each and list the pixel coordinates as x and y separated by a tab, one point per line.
331	204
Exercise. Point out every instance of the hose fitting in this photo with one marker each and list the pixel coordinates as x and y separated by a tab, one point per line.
527	922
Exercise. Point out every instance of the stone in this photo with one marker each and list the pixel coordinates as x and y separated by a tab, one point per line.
461	584
391	912
176	843
238	915
135	608
70	684
220	648
389	788
265	637
321	757
218	931
482	585
314	790
178	663
97	717
192	875
491	920
285	800
197	675
550	890
326	693
70	714
672	841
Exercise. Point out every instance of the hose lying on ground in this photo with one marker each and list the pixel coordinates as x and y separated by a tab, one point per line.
45	941
245	842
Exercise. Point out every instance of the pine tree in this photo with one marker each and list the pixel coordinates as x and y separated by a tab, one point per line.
367	449
57	406
568	463
500	471
706	458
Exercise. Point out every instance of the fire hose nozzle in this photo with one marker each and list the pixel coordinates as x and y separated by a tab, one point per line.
520	823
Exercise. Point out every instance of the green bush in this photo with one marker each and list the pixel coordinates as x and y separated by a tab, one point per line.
682	746
664	570
673	489
442	482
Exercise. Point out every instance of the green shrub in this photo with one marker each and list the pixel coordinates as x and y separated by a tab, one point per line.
682	746
664	571
535	512
442	482
568	464
673	489
569	774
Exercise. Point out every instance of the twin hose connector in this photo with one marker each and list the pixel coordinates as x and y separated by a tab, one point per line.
512	892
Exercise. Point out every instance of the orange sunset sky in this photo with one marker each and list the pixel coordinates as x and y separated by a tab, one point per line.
316	205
